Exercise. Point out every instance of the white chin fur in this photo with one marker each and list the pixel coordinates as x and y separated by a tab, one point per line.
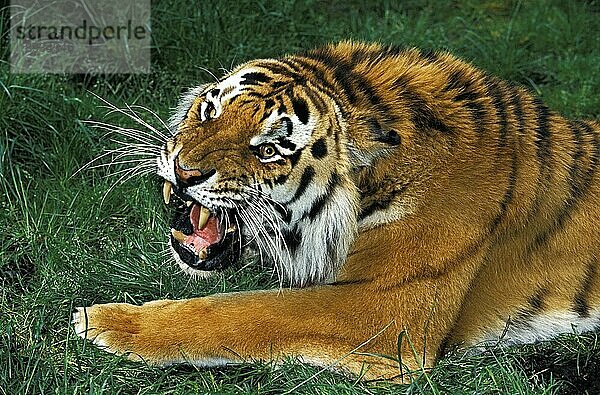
186	268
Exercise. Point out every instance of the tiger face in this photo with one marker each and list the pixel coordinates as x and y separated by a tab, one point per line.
258	157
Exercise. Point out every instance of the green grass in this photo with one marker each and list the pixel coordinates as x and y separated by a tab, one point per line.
62	245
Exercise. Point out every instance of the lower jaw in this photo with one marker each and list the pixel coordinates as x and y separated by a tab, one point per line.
218	257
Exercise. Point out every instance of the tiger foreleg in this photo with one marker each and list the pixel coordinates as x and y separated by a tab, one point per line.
329	326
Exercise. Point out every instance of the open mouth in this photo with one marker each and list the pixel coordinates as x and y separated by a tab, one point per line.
202	239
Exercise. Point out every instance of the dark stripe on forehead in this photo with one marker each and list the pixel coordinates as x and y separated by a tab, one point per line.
351	82
300	109
286	144
255	78
289	126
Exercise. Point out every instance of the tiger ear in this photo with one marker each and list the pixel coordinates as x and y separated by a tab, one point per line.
369	140
383	134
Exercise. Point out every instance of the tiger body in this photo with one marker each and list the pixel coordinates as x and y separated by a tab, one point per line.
402	192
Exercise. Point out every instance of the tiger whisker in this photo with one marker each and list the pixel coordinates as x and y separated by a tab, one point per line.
129	132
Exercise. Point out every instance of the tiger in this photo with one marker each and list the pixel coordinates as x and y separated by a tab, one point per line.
411	203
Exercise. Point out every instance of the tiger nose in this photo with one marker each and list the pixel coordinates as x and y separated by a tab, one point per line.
190	177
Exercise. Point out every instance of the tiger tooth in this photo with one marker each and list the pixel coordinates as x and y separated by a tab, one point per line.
188	203
167	191
178	235
203	217
202	254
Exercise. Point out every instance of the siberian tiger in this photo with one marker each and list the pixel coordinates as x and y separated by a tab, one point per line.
402	194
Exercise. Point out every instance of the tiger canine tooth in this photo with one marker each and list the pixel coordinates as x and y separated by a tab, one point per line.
188	203
203	217
178	235
167	191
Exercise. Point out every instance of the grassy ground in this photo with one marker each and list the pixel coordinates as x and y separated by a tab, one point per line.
62	246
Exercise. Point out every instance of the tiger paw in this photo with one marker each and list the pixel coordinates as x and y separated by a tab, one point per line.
113	327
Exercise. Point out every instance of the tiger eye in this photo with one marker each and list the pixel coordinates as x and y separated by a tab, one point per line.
267	151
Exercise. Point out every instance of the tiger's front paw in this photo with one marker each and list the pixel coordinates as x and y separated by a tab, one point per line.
113	327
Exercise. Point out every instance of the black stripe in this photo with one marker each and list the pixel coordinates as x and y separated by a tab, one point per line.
536	301
455	80
278	84
281	179
319	80
346	282
319	149
289	126
316	100
322	200
470	97
535	305
269	103
429	54
284	211
305	180
495	91
381	203
341	73
292	238
422	114
295	157
542	133
255	78
286	144
300	109
265	115
579	180
512	178
581	301
351	83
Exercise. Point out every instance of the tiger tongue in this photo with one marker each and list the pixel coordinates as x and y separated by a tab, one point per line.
208	235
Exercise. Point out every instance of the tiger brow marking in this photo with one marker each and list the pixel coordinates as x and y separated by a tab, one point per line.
255	78
300	108
580	302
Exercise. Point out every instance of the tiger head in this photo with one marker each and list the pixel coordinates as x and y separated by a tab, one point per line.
263	156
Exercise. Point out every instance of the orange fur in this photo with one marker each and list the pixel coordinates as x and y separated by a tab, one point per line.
475	208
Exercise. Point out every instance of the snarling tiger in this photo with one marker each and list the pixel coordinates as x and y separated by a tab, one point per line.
411	202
